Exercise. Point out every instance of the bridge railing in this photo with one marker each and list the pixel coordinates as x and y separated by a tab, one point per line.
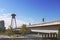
28	39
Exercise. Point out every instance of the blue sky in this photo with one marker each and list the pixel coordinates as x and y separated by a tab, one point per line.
32	10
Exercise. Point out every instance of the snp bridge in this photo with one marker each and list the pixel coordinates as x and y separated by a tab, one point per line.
45	24
48	29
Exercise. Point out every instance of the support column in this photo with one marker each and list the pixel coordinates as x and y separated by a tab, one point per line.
42	35
45	35
48	35
38	33
51	35
56	35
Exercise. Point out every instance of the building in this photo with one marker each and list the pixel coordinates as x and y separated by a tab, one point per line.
2	25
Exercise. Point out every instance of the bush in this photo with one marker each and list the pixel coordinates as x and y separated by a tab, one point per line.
24	30
9	31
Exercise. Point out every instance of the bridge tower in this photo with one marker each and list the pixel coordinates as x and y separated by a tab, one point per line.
13	21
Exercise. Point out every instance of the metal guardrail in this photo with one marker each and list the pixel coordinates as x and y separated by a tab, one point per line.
28	39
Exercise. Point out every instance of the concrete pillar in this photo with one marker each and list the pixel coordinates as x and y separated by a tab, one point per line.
42	35
51	35
38	33
45	35
48	35
56	35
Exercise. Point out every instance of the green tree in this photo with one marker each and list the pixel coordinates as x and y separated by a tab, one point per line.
59	33
9	31
2	30
24	30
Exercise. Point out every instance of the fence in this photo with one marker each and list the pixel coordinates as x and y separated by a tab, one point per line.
28	38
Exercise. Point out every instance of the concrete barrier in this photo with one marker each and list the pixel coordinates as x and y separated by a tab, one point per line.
28	38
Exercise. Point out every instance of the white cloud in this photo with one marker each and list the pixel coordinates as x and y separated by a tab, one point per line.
7	18
2	10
